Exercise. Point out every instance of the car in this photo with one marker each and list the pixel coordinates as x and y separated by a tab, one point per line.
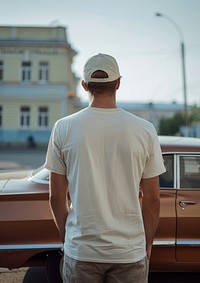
29	236
177	242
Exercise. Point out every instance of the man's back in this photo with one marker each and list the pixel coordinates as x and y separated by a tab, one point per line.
100	157
106	153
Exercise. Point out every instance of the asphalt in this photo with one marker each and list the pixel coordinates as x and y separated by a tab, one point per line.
23	275
14	276
16	158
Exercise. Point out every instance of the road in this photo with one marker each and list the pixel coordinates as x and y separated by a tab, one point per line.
23	275
33	275
23	157
33	158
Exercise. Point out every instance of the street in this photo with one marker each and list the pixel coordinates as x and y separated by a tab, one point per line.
33	157
23	275
33	275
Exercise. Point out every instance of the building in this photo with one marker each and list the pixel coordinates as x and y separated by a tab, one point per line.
37	84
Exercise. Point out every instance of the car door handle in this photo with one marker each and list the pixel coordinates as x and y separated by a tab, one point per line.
184	203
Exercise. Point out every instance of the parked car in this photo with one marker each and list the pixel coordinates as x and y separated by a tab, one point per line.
28	235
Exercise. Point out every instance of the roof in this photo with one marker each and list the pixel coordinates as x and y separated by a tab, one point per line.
145	106
28	36
176	143
150	105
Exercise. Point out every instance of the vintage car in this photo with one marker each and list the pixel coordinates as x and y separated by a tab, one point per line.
28	235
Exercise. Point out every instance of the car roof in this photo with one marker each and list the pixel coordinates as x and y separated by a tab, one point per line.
176	143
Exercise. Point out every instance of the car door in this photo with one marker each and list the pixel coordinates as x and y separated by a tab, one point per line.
188	208
163	254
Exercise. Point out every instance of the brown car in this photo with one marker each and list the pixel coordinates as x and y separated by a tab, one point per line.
28	235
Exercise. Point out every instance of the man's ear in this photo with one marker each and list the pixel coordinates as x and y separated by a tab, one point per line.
118	83
84	85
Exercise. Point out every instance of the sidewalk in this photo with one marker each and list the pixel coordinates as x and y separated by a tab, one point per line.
12	276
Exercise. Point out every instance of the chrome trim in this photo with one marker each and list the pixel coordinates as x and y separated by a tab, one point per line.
60	246
177	243
178	156
182	152
164	243
188	243
176	171
184	203
31	247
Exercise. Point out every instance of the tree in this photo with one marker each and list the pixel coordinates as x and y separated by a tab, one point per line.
171	126
194	114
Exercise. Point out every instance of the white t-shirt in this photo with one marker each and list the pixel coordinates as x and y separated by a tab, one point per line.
104	153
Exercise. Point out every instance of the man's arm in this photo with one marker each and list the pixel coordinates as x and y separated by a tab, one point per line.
150	209
59	201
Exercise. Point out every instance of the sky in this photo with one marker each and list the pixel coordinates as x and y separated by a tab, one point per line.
146	47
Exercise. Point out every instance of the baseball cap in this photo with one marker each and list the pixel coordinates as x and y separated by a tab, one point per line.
101	62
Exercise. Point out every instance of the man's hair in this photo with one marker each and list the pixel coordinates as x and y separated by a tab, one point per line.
99	88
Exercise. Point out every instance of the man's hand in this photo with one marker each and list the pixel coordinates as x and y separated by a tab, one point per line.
59	201
150	209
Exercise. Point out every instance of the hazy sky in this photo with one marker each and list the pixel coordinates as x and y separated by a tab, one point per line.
146	47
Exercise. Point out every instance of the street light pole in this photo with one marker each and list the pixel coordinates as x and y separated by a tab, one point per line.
182	48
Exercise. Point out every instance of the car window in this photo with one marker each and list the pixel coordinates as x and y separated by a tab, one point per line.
167	178
189	171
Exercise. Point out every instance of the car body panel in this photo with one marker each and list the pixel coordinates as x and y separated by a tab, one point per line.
26	218
183	252
166	230
188	226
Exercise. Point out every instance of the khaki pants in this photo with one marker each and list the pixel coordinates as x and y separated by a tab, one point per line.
75	271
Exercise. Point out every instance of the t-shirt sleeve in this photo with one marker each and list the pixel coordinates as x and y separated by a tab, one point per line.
154	164
54	158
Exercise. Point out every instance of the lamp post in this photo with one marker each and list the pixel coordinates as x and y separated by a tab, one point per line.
182	49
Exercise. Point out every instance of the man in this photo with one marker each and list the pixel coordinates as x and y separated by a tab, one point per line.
100	158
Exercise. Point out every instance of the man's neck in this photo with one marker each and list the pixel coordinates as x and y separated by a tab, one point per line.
102	101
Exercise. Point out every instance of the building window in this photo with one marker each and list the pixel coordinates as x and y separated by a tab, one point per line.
1	71
43	117
43	72
25	117
26	71
1	114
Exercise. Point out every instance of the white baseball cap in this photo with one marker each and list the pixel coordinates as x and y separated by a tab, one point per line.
101	62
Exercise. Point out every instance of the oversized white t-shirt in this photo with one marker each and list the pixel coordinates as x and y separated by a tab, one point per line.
104	153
